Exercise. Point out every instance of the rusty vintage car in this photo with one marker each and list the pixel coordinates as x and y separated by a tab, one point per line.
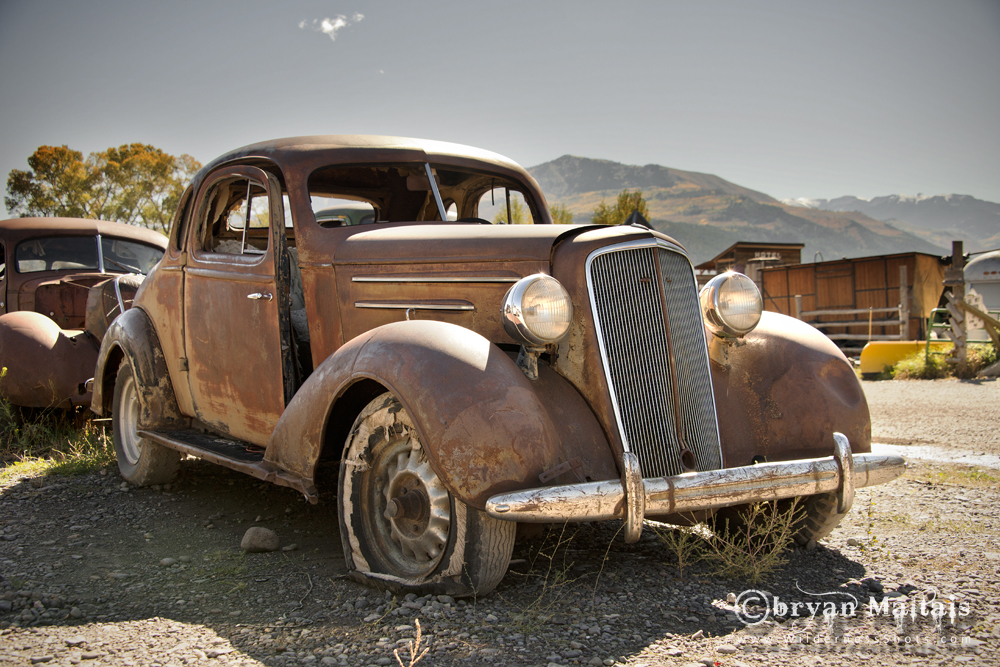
62	280
464	376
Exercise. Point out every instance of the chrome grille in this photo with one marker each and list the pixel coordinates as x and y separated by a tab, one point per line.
645	302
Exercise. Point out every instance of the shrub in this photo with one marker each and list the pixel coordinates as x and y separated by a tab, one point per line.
920	367
935	366
754	545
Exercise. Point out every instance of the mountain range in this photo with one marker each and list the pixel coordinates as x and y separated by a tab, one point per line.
707	213
938	219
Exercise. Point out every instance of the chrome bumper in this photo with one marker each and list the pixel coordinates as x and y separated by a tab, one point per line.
633	497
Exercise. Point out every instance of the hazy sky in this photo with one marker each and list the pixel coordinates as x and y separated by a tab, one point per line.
796	98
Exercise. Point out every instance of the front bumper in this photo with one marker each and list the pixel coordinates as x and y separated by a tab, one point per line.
633	497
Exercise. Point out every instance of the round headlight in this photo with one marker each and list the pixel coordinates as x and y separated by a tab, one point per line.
537	310
732	304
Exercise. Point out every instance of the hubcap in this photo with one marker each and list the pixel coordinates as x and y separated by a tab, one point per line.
412	507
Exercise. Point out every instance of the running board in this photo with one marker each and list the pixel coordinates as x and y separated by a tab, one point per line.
234	454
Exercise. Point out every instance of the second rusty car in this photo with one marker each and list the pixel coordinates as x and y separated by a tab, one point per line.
345	300
62	280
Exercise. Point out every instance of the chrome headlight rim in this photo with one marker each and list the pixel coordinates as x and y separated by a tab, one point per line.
714	313
515	322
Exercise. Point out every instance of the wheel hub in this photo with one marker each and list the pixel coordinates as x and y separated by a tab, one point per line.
412	506
417	508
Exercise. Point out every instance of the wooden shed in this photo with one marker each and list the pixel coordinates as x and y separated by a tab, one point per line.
863	285
749	257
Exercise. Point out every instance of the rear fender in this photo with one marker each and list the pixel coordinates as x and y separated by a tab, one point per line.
782	391
44	365
486	428
132	336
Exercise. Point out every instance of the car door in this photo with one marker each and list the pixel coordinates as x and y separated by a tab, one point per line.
3	277
235	307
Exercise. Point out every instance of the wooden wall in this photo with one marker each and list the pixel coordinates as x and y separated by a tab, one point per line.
863	282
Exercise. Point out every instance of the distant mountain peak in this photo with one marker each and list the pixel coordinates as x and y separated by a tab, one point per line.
707	213
571	175
935	218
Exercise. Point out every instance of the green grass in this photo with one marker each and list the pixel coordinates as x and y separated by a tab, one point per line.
50	442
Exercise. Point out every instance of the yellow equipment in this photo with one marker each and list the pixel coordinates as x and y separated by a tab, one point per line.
878	354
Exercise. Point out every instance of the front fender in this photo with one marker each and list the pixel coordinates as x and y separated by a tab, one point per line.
486	428
782	391
132	336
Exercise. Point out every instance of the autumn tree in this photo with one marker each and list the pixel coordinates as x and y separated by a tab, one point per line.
58	183
628	201
134	183
561	214
520	214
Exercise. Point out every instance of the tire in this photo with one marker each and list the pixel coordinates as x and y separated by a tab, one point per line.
141	461
818	517
434	543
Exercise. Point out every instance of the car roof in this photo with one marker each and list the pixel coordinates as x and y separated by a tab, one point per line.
16	229
374	146
311	152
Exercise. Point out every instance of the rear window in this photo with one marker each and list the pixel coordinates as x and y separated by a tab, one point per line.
344	195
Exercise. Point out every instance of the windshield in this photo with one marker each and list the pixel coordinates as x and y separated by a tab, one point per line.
79	253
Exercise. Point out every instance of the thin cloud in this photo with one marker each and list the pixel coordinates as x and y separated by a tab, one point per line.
330	26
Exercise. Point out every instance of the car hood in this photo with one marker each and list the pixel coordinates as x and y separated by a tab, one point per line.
436	243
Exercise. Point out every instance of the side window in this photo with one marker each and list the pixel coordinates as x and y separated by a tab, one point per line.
237	218
492	206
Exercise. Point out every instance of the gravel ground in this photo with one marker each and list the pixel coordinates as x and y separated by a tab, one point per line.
94	572
960	414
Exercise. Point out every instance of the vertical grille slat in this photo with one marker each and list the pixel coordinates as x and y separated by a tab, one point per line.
630	287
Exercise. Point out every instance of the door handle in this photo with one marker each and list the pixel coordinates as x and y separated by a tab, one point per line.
256	296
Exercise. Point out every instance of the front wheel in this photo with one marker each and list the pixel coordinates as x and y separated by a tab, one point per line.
140	460
820	518
401	529
815	517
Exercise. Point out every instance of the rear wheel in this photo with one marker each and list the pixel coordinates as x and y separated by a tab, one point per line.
401	528
140	460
